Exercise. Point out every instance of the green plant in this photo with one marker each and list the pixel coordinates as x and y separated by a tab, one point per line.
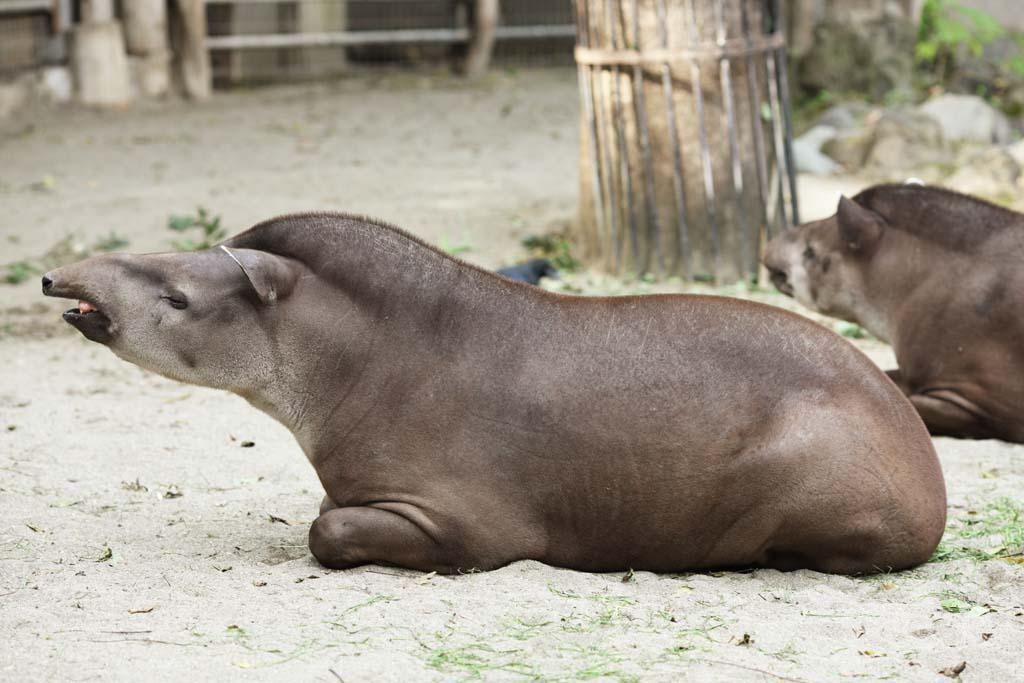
554	247
207	225
112	242
1000	523
951	32
19	271
454	248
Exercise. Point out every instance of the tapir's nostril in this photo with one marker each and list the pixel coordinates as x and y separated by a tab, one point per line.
47	283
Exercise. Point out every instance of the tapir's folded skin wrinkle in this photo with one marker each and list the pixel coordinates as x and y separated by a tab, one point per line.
459	420
936	273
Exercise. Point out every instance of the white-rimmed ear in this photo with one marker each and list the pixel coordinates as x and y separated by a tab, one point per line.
860	228
271	276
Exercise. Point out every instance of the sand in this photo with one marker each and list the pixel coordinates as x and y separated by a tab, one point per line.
143	538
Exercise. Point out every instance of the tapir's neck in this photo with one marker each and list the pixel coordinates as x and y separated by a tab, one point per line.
375	315
902	265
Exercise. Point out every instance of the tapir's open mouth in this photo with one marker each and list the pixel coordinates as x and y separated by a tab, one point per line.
90	321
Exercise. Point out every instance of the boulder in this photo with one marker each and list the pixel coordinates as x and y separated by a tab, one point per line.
968	118
55	84
807	151
845	116
1016	150
872	57
990	172
905	139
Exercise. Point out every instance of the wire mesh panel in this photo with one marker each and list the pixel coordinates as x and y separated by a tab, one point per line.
686	160
24	32
282	39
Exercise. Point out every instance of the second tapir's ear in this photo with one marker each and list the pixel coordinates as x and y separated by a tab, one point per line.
272	276
860	228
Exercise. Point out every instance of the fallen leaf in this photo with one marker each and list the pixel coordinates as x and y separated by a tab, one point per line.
37	529
426	578
986	636
133	485
247	444
954	671
222	569
279	520
627	577
107	555
259	584
144	610
173	492
745	640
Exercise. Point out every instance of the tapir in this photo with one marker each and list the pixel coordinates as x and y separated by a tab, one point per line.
460	421
938	274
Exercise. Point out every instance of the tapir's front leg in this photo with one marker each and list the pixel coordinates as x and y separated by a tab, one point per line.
944	412
344	537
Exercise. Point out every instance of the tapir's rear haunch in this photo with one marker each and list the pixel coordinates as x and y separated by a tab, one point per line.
939	275
459	420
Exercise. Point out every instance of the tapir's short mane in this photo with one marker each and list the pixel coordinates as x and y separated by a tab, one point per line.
939	215
314	236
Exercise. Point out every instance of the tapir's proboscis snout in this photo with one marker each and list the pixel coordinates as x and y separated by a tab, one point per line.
459	420
72	282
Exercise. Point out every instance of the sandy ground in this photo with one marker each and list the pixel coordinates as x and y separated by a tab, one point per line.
142	538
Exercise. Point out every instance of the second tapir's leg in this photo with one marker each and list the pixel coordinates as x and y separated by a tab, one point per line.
944	412
350	536
327	504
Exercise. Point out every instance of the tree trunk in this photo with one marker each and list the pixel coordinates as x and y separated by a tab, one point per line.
684	136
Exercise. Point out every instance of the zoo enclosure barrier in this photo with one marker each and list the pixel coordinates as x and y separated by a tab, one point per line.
686	156
275	39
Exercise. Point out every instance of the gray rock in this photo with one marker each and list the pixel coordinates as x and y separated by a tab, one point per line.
844	117
905	139
55	84
968	117
807	151
873	57
1016	151
988	172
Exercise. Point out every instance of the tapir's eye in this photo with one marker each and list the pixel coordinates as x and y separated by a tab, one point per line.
809	253
176	299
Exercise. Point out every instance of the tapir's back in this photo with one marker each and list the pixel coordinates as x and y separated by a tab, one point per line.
716	432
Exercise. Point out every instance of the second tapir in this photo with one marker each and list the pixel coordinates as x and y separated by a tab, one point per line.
938	274
460	421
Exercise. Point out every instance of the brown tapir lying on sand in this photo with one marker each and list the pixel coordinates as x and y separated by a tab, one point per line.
938	274
460	420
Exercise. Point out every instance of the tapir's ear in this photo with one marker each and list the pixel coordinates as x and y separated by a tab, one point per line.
860	228
272	276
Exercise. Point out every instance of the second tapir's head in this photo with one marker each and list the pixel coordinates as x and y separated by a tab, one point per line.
824	264
204	317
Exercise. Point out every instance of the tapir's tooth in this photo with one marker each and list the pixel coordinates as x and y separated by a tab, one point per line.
84	307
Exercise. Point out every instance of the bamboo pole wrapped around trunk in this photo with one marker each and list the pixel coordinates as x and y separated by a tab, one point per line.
685	138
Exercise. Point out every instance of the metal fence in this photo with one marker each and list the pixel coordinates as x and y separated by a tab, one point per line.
26	34
270	40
